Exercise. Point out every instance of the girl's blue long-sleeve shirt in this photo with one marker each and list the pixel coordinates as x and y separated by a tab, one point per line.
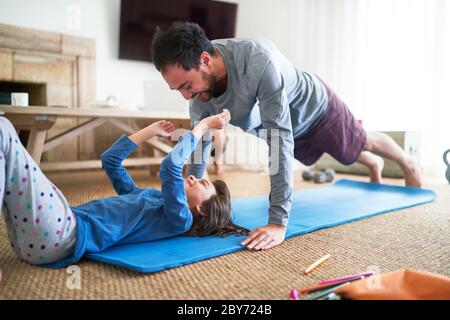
135	214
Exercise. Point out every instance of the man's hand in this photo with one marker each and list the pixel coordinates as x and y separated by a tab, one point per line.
265	237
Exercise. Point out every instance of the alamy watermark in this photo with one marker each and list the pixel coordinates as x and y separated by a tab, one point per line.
374	282
73	282
238	145
73	19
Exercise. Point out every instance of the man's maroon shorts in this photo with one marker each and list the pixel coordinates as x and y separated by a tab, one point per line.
338	133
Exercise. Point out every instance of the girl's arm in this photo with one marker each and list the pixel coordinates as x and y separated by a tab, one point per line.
122	148
176	207
161	128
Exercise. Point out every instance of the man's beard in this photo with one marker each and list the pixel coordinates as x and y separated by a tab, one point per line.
210	91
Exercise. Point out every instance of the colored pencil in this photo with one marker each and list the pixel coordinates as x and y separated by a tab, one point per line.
325	286
333	296
317	263
327	292
294	295
341	279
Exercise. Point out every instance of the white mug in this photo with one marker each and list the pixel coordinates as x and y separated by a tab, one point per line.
19	99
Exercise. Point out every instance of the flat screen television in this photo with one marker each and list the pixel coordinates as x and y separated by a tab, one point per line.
139	19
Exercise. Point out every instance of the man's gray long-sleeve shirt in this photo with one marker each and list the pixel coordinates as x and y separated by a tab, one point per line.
264	91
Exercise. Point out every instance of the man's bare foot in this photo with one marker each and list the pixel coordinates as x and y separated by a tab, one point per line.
412	174
376	168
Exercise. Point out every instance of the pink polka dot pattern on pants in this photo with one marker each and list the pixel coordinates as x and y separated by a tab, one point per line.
32	205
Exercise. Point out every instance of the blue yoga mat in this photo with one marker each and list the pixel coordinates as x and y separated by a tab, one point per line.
312	209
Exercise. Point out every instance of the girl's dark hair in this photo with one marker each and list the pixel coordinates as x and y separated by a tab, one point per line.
217	215
181	44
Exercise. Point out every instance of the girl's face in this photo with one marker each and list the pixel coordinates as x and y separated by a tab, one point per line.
197	191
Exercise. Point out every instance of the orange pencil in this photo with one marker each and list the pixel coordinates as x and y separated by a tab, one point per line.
317	263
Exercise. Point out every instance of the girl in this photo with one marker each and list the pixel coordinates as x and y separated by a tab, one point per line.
43	229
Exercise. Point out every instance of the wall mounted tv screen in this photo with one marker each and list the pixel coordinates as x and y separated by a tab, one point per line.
139	19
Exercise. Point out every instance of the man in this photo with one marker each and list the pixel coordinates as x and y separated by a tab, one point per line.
263	90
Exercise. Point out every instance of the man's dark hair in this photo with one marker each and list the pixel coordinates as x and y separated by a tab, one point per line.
181	44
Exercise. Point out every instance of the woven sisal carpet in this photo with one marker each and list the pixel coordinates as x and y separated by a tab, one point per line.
416	238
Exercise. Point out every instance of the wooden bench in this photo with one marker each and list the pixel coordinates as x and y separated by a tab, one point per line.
38	120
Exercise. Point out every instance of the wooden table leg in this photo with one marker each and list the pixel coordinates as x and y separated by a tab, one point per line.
154	153
38	125
35	144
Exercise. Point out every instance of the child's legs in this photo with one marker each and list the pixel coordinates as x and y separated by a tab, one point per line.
39	222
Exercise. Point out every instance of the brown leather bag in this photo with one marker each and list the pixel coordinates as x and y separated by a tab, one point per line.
399	285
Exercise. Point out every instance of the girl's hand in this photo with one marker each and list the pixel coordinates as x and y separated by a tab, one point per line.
162	128
218	121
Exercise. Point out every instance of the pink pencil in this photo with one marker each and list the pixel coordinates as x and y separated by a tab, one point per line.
294	295
366	274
